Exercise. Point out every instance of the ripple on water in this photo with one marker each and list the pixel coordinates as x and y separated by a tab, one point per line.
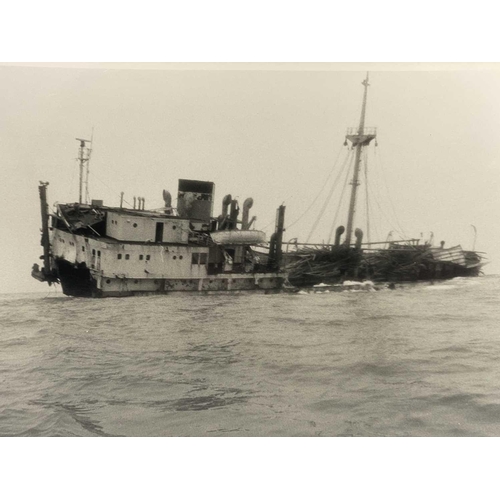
407	362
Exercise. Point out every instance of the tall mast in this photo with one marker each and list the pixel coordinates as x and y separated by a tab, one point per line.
83	158
359	138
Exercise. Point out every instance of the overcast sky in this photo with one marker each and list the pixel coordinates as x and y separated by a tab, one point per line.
274	135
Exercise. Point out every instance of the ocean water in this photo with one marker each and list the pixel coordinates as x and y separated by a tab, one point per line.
422	360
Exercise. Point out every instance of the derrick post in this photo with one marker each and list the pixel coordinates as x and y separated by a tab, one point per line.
44	210
275	250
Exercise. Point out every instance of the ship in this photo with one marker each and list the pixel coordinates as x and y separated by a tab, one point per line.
94	250
350	260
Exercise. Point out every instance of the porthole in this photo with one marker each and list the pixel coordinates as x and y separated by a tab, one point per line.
135	224
174	257
174	227
108	281
180	257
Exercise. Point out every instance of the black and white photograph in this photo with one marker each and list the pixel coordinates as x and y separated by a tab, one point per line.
251	252
307	251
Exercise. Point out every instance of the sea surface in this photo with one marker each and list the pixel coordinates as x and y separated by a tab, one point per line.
421	360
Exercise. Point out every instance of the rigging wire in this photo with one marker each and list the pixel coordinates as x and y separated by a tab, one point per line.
335	217
365	160
325	204
402	236
378	161
111	190
319	193
373	216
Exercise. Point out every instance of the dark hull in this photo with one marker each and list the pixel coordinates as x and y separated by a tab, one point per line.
77	281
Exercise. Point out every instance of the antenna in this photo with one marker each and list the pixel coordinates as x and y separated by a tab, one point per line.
89	152
84	159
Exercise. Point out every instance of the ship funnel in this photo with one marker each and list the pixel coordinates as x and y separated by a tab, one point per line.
167	198
359	237
338	233
195	199
247	205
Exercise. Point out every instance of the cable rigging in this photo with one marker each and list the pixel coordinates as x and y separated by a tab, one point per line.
341	199
325	204
319	193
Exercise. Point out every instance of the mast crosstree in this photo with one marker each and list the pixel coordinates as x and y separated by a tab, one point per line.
359	138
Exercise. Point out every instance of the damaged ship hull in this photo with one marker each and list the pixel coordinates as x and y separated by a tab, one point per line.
97	251
398	263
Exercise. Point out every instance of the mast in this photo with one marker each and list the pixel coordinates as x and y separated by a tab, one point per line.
359	138
84	158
